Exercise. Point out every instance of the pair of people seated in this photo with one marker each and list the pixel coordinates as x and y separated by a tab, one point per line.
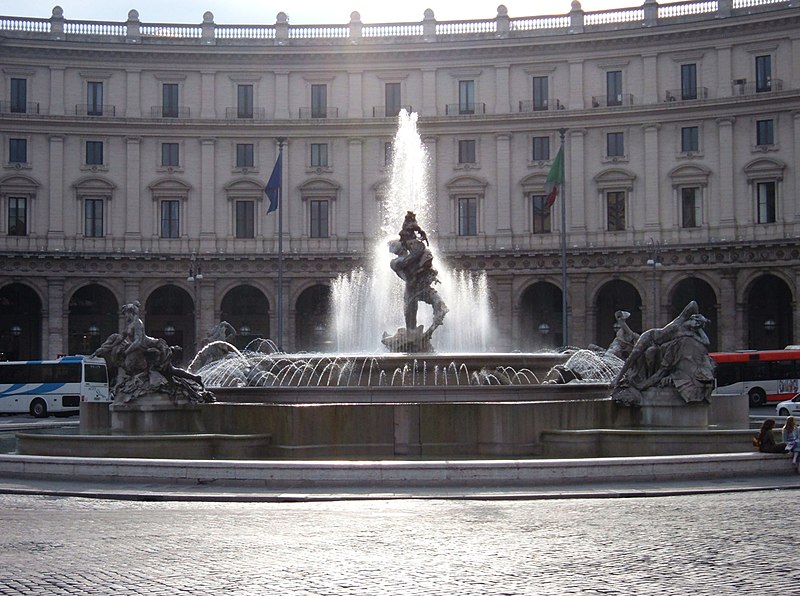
765	440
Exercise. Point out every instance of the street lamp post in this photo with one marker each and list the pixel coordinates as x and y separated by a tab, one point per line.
654	261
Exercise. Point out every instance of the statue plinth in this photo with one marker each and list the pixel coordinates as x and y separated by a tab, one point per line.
408	340
155	413
663	407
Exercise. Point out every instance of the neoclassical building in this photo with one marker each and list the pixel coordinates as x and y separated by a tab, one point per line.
135	157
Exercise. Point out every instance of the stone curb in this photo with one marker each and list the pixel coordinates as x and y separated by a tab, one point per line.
273	474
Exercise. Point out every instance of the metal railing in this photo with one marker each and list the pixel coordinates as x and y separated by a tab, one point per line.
603	101
686	94
10	107
547	104
389	111
162	112
462	109
83	109
743	87
235	113
309	113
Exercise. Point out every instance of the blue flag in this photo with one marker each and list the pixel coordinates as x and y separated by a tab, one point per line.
273	188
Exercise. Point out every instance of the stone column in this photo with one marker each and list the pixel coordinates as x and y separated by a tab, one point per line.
503	189
204	318
355	202
207	188
503	286
652	204
133	106
438	208
57	198
207	95
429	92
502	103
578	207
651	94
576	99
57	91
724	72
55	338
796	177
355	101
729	328
132	215
726	198
580	334
282	95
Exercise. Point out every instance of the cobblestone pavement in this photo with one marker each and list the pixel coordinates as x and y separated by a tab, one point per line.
736	543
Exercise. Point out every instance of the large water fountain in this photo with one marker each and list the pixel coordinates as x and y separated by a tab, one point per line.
371	399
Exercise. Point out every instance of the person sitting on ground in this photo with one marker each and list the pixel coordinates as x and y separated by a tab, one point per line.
765	440
792	439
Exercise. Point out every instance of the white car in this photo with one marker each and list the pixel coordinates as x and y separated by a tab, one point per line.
790	407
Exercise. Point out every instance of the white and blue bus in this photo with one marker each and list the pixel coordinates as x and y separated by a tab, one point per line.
44	387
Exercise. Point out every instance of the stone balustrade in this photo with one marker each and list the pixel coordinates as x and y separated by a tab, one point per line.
649	14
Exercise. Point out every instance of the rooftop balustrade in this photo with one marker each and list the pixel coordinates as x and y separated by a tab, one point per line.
132	30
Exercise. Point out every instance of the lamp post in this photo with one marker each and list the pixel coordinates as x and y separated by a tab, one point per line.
654	261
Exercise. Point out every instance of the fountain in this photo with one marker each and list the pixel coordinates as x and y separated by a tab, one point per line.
433	388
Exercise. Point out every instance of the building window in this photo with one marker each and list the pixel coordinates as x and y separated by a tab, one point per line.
319	101
319	155
93	218
94	153
466	151
690	207
170	218
245	219
169	100
17	216
615	210
19	95
466	97
319	218
169	155
244	101
388	153
766	201
615	144
392	93
244	155
468	216
688	81
541	214
765	133
18	150
614	88
763	73
541	148
540	93
690	139
94	98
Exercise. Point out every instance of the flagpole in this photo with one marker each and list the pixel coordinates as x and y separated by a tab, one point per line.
564	322
281	141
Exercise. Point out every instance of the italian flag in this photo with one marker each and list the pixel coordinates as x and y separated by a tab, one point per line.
555	178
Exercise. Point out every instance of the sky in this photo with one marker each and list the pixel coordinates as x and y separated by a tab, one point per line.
241	12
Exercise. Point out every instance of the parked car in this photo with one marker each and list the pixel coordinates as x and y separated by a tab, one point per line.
790	407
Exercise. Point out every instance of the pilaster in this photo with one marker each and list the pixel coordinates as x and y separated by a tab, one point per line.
54	317
429	92
652	205
57	198
355	104
133	199
207	95
207	186
727	195
355	202
133	105
57	90
503	189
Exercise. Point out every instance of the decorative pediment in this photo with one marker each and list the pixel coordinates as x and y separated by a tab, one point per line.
764	167
169	188
689	174
615	178
534	182
245	188
319	188
467	184
18	183
94	185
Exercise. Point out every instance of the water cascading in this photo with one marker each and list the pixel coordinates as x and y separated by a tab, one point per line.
369	301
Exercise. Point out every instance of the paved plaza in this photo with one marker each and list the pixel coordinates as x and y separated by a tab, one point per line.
735	543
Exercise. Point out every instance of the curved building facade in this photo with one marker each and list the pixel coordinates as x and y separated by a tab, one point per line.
136	157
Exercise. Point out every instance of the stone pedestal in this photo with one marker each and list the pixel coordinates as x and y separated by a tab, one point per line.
155	414
664	408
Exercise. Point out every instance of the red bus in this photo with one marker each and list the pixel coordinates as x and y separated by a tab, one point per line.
764	376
